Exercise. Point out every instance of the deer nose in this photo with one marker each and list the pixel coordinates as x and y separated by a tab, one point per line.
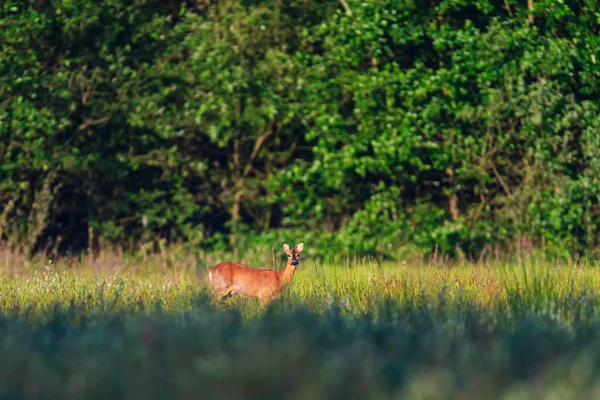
294	263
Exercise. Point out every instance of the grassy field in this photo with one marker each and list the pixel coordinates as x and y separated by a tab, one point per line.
144	327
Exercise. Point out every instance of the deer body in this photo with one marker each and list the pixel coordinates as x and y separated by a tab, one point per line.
228	278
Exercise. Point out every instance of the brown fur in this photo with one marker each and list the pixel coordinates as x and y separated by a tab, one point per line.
228	278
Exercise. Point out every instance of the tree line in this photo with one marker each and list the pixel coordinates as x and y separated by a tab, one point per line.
364	125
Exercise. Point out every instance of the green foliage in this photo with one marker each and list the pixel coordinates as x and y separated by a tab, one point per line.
453	123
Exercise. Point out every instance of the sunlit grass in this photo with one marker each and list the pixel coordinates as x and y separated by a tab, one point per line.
143	326
136	283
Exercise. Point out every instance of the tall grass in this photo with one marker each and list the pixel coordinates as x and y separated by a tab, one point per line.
143	326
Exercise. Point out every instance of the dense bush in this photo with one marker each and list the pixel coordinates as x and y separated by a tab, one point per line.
456	123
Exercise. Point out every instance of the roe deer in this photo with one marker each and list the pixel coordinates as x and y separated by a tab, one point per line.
229	278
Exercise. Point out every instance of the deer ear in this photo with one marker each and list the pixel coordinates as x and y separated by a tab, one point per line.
300	247
286	247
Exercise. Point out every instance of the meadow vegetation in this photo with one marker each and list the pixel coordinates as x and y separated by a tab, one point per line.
146	327
193	132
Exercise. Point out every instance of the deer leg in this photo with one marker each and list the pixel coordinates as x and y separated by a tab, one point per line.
265	301
221	294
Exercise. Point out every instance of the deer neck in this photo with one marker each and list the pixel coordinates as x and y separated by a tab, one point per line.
286	275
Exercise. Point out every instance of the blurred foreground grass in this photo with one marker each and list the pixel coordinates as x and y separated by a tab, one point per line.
121	326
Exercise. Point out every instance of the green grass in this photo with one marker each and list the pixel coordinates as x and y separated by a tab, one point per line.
135	327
